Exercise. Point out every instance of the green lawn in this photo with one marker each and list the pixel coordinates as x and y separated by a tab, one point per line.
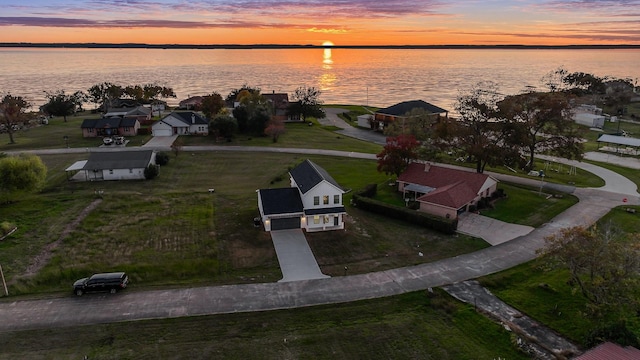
527	206
297	135
172	232
411	326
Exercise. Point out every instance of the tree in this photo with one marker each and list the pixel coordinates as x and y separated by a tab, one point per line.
61	104
603	265
542	122
21	174
479	133
234	94
212	104
306	103
12	110
253	112
398	152
105	93
224	126
162	159
275	128
151	92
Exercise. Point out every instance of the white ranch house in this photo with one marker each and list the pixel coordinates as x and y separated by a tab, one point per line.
181	123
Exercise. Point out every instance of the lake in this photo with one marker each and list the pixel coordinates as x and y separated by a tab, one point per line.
376	77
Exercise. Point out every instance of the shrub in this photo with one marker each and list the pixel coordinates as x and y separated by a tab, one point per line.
151	171
162	158
447	226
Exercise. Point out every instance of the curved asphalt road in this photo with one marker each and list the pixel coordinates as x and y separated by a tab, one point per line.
129	306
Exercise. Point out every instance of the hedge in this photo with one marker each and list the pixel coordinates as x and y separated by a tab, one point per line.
447	226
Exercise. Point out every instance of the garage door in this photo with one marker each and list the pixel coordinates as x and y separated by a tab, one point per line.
285	223
162	132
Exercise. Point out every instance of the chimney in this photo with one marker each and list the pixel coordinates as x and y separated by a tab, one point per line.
427	166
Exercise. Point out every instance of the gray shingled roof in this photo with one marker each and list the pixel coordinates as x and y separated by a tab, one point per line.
186	117
308	174
103	160
405	107
281	201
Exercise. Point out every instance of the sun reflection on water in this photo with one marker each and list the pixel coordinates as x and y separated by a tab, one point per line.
328	77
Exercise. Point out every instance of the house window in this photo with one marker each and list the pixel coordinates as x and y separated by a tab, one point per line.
130	171
316	219
316	200
326	219
325	199
110	171
336	199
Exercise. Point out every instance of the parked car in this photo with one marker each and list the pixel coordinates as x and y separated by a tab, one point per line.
103	282
107	140
119	140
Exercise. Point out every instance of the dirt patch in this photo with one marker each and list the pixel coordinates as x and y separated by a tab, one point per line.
44	256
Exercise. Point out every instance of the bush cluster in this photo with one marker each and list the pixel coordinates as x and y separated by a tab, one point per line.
446	226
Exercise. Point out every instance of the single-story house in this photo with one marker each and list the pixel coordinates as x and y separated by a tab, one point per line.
142	113
313	201
112	165
191	103
400	111
444	191
181	123
280	105
110	126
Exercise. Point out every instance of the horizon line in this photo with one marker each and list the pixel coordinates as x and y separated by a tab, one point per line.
307	46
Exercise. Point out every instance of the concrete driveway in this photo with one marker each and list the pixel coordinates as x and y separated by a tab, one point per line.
493	231
295	256
162	143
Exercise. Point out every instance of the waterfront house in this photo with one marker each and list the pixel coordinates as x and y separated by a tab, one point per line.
400	111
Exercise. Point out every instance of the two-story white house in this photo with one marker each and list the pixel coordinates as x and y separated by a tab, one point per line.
313	202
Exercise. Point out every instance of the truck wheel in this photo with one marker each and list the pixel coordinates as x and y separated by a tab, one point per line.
113	290
79	292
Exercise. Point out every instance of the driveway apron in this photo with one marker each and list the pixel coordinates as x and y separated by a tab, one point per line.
490	230
295	256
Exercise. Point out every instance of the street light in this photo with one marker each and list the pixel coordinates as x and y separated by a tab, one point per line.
66	140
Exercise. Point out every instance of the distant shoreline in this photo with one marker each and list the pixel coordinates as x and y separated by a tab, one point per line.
298	46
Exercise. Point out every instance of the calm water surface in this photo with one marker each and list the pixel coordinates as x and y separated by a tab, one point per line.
377	77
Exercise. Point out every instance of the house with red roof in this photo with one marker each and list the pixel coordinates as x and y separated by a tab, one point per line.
444	191
610	351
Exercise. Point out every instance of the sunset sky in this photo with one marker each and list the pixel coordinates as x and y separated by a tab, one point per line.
343	22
